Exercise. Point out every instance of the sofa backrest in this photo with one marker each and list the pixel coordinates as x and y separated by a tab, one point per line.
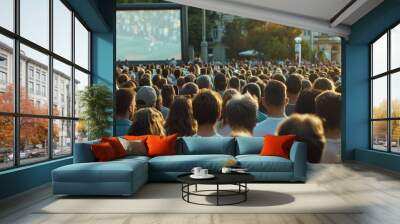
249	145
83	152
205	145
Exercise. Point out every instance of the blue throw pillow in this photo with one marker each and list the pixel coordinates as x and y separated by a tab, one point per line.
206	145
249	145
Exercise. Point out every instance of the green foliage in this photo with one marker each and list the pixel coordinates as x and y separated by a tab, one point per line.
96	102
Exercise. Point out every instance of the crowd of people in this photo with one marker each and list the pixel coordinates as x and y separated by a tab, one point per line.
236	99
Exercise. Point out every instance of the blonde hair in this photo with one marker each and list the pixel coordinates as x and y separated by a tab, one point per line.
147	121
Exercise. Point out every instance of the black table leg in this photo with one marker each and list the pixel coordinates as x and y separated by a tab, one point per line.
196	187
217	194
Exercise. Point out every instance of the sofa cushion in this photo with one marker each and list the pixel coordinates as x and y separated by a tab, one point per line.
206	145
249	145
257	163
185	163
83	152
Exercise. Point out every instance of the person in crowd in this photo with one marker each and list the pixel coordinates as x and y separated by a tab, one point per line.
147	121
328	108
146	96
275	101
204	82
323	84
190	78
308	129
179	84
220	83
207	111
241	115
279	77
306	84
223	127
234	83
122	79
254	90
190	89
168	94
306	101
180	120
293	84
159	104
125	107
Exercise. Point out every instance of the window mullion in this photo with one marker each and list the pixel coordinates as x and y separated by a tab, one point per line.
16	84
389	105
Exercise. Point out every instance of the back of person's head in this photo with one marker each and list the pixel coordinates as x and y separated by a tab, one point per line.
241	114
313	76
275	94
180	118
146	97
145	81
234	83
147	121
308	129
228	94
207	107
130	84
165	72
306	84
306	102
190	78
180	82
168	94
177	73
122	79
125	101
323	84
189	89
204	82
293	84
156	80
279	77
253	89
220	82
328	108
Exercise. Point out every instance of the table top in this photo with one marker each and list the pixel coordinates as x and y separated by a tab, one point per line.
220	178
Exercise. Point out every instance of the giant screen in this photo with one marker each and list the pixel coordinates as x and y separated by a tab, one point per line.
149	35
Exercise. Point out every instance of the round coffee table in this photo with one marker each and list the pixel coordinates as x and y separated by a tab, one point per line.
238	179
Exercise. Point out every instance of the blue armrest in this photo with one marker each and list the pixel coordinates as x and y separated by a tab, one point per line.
83	152
298	155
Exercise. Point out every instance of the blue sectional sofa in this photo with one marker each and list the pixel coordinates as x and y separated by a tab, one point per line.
125	176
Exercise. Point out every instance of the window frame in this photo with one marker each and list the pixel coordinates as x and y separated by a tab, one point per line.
16	115
388	74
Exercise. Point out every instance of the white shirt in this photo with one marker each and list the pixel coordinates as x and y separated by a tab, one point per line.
267	126
332	151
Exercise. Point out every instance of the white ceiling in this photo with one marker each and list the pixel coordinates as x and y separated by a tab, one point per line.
315	15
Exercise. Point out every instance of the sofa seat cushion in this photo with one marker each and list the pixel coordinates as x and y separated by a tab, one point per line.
257	163
185	163
113	171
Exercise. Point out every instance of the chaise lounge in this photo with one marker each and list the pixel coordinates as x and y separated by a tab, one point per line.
125	176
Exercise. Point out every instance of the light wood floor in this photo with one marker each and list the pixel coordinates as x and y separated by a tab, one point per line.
379	189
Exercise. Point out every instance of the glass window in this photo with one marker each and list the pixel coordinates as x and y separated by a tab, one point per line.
395	136
35	21
34	142
81	131
379	98
62	138
379	135
379	56
7	75
81	82
62	29
62	71
6	142
40	62
395	95
395	47
81	45
7	14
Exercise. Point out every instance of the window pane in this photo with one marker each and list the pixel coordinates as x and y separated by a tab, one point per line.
395	94
7	14
6	74
81	45
395	47
81	131
62	89
379	55
35	21
33	139
379	97
395	136
62	29
81	82
34	97
62	138
379	135
6	142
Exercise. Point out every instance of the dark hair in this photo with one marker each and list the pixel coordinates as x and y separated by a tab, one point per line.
306	84
207	107
156	80
306	102
253	89
220	82
293	84
241	113
275	93
145	81
190	78
180	119
313	77
125	98
189	89
234	83
177	73
328	107
168	94
279	77
323	84
180	81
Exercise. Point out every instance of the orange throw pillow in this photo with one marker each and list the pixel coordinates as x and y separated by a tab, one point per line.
116	145
161	145
277	145
103	152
